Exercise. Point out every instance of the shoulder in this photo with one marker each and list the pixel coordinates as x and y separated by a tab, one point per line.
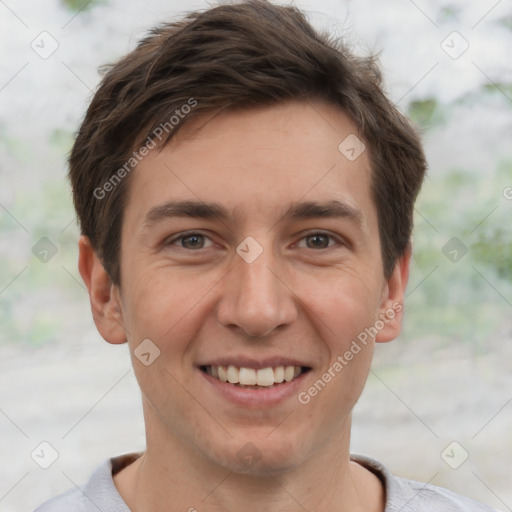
70	500
407	495
99	493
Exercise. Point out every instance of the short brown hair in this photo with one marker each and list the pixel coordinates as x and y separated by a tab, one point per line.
252	53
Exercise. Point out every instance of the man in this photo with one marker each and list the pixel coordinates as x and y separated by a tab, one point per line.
245	192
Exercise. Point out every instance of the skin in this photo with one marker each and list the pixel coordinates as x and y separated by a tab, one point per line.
198	299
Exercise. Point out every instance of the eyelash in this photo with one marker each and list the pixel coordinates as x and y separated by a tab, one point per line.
307	235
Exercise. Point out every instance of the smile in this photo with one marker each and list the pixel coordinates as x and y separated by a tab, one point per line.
254	378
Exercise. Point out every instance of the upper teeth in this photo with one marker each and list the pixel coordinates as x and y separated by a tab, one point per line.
251	377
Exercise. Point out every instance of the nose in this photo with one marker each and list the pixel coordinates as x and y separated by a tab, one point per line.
255	297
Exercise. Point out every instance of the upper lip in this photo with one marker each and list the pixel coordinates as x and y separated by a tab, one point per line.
248	362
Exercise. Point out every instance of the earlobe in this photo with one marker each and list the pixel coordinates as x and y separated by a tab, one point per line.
392	305
105	303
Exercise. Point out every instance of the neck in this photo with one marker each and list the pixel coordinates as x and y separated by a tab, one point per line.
171	476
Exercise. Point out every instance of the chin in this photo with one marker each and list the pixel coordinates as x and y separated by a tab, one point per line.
260	455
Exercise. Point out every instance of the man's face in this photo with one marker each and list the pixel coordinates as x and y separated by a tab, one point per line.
262	289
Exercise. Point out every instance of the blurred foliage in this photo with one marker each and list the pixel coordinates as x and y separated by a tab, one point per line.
501	87
464	301
45	209
449	13
81	5
500	257
506	22
467	300
426	113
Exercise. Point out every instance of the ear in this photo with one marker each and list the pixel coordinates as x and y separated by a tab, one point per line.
103	294
392	304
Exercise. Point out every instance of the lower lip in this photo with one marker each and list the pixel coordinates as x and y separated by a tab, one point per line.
263	397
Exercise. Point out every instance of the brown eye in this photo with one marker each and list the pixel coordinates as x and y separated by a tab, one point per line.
190	241
318	241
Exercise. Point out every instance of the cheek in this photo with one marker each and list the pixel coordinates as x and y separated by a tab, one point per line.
164	309
343	310
342	317
346	304
163	305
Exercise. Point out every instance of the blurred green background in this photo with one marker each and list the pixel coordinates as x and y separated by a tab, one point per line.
463	301
449	371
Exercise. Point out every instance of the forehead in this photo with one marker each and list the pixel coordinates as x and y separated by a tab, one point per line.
258	161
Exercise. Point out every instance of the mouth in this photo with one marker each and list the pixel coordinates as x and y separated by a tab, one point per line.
252	378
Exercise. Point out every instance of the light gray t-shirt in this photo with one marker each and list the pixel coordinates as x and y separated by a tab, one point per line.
404	495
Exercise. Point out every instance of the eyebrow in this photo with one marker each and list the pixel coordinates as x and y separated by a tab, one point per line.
295	211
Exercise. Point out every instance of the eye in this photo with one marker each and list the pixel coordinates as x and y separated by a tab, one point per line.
195	241
318	240
189	241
